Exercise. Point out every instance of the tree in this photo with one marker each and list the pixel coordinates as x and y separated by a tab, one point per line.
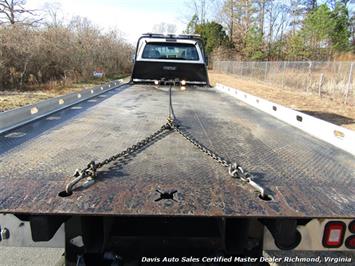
277	20
340	33
352	31
309	5
241	16
213	35
64	53
54	14
227	16
191	26
253	49
318	27
295	48
261	8
199	8
14	11
294	29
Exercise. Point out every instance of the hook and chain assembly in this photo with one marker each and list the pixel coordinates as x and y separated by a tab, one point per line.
234	169
89	173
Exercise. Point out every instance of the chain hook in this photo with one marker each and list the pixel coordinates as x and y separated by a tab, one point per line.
237	171
91	169
89	172
233	170
79	174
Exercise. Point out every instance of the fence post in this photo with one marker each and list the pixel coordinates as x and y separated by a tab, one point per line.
252	68
350	80
309	76
265	72
320	84
283	73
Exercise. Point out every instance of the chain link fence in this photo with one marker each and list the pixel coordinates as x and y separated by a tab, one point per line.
333	79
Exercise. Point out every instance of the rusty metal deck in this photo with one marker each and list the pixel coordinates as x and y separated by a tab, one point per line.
307	177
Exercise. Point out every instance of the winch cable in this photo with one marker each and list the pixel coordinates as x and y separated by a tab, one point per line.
235	170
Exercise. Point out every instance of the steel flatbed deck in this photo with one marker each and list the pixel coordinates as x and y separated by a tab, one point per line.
305	176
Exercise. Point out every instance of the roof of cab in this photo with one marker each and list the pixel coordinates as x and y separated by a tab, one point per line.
171	37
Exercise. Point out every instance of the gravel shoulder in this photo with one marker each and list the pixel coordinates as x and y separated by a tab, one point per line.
14	256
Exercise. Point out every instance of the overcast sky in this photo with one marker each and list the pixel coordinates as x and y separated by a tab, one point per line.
132	17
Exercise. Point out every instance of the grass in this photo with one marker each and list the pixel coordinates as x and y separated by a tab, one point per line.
11	99
329	109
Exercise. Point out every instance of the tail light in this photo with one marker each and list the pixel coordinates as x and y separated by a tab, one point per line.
350	242
333	235
352	227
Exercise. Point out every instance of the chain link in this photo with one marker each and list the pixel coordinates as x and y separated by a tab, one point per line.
200	146
135	147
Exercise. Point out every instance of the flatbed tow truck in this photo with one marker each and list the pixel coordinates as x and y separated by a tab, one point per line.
218	179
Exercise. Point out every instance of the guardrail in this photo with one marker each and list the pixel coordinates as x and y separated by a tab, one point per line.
23	115
340	137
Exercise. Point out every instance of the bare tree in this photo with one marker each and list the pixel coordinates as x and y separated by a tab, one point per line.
261	6
14	11
278	20
65	53
53	13
240	16
226	16
200	8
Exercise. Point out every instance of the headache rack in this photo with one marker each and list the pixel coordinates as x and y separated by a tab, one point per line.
172	35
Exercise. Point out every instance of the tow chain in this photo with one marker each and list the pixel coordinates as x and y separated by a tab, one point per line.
234	169
90	171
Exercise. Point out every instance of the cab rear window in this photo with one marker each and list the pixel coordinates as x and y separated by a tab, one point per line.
170	51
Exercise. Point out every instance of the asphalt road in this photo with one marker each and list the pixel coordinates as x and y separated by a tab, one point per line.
13	256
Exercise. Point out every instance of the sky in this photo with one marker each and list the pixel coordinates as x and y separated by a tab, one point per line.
131	17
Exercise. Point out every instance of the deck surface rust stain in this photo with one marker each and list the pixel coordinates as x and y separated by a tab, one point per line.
305	176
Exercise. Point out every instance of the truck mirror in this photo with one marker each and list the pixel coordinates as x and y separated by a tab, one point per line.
206	60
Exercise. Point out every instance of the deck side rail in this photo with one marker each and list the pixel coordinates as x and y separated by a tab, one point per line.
17	117
338	136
